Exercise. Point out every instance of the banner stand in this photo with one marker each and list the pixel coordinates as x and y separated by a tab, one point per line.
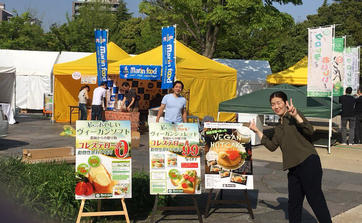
195	207
102	213
211	201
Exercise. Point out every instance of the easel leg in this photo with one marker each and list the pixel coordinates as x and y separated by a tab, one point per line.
80	211
125	210
248	204
99	208
208	204
154	209
197	209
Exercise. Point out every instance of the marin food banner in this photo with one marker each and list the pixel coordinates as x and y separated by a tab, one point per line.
103	160
174	158
228	159
320	54
101	36
337	66
168	56
351	67
143	72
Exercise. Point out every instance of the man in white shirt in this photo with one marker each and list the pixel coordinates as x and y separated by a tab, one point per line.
99	96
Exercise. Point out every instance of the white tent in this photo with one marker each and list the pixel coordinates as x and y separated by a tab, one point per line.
7	94
67	56
33	75
251	74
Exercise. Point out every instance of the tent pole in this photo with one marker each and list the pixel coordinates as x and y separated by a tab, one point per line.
218	115
330	125
52	118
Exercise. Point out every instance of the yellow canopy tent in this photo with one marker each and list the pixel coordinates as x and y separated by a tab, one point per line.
295	75
207	82
66	88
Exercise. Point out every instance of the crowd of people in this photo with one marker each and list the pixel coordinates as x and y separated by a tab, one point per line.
126	100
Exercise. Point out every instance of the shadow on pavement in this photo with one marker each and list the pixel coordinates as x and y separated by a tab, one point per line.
283	206
9	143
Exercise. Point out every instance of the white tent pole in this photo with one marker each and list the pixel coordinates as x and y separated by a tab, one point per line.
218	115
331	113
330	125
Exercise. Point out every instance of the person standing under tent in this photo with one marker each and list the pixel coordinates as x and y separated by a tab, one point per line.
174	104
358	111
292	135
99	101
83	99
130	95
348	115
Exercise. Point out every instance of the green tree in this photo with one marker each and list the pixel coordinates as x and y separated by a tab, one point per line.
22	33
200	22
78	33
346	14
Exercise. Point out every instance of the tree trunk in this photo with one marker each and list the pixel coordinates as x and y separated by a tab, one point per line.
210	40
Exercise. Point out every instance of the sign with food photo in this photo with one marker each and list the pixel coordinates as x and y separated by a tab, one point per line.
174	158
103	160
228	156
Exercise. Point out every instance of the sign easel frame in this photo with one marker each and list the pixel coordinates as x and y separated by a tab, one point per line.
195	207
216	201
102	213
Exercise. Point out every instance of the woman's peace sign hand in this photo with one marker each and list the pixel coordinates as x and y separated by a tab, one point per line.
291	109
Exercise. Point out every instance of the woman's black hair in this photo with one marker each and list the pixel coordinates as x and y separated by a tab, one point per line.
278	94
178	82
84	86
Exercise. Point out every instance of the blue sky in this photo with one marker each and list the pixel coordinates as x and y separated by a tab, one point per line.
54	11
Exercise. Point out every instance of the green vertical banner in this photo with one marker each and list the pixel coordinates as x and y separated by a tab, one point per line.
337	66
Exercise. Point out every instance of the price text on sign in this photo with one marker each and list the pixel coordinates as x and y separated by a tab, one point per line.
188	150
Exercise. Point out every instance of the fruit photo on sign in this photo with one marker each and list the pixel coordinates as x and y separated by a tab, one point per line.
175	177
188	181
83	186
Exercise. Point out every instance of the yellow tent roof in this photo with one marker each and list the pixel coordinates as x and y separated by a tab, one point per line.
208	82
185	59
66	89
295	75
88	64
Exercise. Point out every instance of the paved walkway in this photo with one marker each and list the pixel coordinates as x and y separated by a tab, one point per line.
342	177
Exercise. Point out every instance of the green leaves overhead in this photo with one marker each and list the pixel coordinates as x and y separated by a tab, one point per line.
243	29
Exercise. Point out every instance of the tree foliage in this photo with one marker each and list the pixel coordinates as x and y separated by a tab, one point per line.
242	29
346	14
201	22
22	33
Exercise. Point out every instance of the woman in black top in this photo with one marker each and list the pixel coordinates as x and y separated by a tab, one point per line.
299	156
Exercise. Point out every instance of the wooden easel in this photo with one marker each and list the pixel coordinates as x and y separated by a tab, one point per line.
220	201
195	207
102	213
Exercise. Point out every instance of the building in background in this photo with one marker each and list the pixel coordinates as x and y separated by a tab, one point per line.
76	5
4	14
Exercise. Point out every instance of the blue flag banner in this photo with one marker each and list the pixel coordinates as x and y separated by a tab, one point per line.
143	72
101	52
168	57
